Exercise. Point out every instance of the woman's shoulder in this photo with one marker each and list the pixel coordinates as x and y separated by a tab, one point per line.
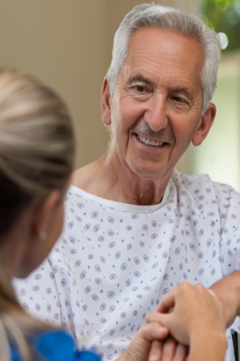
56	345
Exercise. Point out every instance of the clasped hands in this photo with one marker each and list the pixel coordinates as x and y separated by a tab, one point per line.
185	316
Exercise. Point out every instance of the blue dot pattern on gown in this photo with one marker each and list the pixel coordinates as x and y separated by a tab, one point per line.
114	261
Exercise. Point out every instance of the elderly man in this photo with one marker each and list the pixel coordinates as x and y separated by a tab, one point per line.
135	227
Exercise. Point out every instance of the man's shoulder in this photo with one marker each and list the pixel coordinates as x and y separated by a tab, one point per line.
191	183
202	184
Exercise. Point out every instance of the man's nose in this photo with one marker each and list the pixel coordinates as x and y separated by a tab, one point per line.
156	113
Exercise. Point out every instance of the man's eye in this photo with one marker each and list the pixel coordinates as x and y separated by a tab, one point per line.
140	89
178	99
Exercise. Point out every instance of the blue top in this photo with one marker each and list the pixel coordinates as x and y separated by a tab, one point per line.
55	346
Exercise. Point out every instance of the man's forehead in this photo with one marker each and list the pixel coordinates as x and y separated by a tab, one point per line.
162	50
156	44
159	34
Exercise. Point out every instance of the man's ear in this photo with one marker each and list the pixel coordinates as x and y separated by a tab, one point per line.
106	100
205	123
42	214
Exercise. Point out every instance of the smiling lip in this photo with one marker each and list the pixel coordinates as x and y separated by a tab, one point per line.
149	142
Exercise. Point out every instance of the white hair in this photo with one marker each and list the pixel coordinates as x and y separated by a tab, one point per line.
151	15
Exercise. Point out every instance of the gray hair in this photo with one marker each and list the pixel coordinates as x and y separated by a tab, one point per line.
147	15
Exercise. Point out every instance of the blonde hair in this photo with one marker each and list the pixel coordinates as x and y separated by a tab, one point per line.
36	157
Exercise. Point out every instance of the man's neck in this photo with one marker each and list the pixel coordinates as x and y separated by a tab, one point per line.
107	179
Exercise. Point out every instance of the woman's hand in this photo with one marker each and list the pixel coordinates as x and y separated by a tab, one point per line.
194	316
188	308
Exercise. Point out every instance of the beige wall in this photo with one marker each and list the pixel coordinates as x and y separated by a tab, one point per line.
68	45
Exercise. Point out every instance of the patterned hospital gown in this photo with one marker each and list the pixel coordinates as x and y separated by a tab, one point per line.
114	261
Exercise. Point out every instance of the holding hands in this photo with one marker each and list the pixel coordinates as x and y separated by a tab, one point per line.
189	325
195	317
140	346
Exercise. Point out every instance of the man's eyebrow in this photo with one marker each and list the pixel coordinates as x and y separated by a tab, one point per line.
138	78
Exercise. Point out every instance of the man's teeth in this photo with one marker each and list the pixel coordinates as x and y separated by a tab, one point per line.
147	141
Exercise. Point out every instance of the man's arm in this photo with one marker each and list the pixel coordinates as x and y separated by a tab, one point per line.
228	290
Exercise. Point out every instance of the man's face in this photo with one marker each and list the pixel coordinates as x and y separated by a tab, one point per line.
155	110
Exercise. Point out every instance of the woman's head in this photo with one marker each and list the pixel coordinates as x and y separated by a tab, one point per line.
36	145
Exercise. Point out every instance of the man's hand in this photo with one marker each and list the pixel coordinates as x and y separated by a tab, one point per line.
140	346
168	350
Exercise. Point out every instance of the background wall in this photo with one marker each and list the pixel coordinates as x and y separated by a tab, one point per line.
67	44
219	154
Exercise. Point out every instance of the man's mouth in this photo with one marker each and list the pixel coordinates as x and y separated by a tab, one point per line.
149	142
